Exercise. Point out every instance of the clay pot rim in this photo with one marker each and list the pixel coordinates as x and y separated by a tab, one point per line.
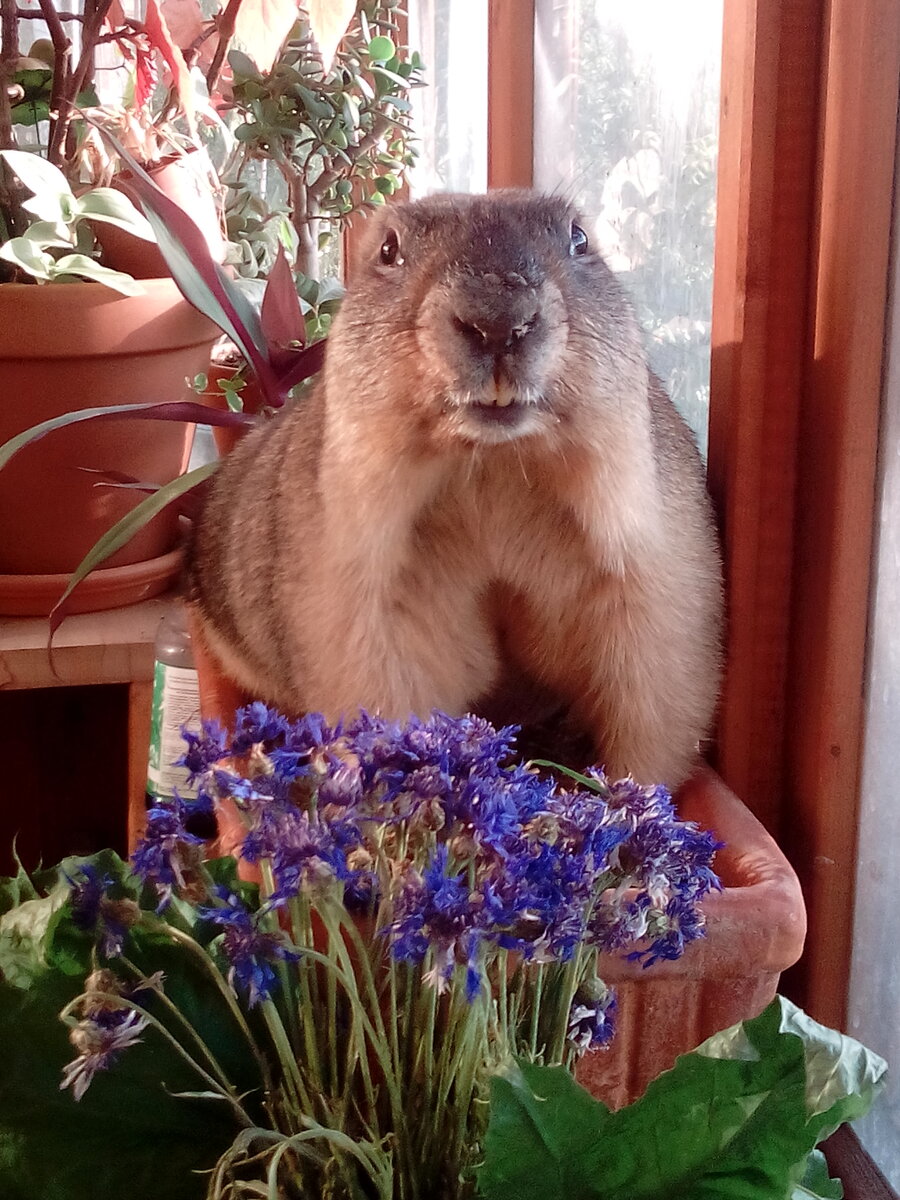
83	319
35	595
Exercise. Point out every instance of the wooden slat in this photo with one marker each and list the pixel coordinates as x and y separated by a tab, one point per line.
759	340
510	93
115	646
140	701
836	479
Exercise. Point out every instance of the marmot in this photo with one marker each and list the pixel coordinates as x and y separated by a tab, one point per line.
486	484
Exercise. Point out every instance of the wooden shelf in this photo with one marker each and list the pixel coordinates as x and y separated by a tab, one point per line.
115	646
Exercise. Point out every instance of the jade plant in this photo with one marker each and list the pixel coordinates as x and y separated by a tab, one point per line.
336	136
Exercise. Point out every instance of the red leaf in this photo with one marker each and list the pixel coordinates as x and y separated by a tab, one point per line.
281	316
115	16
306	363
161	39
146	75
186	24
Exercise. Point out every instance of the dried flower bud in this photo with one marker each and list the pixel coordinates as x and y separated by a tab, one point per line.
543	828
258	762
463	846
429	815
123	912
360	859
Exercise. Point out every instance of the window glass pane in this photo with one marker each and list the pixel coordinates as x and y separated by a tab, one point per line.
875	973
451	112
626	124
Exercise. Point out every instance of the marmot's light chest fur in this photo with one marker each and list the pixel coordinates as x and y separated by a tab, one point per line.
485	484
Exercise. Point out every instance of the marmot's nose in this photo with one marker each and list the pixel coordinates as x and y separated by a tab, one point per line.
495	334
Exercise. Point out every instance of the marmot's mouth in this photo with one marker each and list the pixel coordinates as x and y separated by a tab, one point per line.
509	413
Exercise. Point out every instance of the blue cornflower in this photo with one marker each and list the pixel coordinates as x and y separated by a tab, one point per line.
683	922
619	922
95	912
257	724
204	749
303	852
592	1016
99	1044
250	950
664	854
106	1027
167	850
433	911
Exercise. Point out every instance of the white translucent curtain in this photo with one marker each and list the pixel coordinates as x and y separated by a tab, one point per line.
875	974
626	124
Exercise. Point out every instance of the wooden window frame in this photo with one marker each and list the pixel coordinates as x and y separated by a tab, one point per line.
806	167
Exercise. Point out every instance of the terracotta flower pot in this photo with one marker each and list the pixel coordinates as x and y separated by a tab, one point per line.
755	930
186	179
81	345
227	437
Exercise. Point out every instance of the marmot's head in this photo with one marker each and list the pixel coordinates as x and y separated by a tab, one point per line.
488	318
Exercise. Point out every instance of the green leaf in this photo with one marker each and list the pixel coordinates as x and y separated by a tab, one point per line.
28	257
143	1130
817	1182
736	1118
94	272
106	204
30	113
48	233
23	932
381	49
39	176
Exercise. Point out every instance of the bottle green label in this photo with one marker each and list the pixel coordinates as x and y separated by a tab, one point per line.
176	704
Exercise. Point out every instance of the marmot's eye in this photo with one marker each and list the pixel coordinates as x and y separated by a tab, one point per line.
389	254
578	242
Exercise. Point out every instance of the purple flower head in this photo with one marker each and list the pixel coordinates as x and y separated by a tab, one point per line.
592	1016
250	950
107	1026
99	1044
95	912
167	850
433	910
257	724
666	855
304	853
204	749
682	922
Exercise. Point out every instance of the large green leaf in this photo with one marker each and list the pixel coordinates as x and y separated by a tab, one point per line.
736	1118
131	1134
113	207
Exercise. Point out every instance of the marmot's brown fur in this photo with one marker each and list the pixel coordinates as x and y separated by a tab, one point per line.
486	483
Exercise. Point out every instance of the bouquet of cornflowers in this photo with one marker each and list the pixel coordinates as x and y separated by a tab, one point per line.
412	913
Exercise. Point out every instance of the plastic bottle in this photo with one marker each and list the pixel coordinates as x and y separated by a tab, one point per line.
176	702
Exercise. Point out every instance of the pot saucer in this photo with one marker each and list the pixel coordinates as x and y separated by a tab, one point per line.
106	587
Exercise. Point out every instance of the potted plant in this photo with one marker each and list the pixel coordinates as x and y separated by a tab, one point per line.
76	334
272	359
394	1009
319	138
